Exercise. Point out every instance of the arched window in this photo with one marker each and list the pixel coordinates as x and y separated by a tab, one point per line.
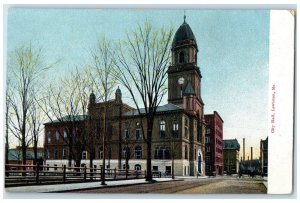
181	57
162	128
49	137
138	152
137	167
138	131
175	129
65	134
84	155
56	136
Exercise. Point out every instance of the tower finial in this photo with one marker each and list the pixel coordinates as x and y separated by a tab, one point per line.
184	17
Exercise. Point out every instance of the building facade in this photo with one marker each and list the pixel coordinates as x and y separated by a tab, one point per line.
214	144
231	151
178	132
264	157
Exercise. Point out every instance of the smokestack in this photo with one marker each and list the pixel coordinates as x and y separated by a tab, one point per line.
251	156
243	149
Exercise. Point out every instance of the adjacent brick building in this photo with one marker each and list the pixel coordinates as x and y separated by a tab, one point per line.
264	157
214	144
178	132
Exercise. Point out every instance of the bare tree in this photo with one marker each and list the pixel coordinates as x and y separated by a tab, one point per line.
142	63
104	78
26	66
36	120
62	106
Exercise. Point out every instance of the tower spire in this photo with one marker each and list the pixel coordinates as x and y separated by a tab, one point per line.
184	16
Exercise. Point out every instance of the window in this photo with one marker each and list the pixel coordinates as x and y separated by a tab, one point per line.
155	168
49	137
55	165
64	155
181	57
185	152
168	170
207	131
162	128
162	153
126	152
84	155
186	127
207	148
55	154
101	153
126	134
207	139
124	166
65	134
138	152
138	131
109	153
56	136
207	158
175	129
137	167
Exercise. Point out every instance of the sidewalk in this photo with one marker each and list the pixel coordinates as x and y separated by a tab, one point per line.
80	186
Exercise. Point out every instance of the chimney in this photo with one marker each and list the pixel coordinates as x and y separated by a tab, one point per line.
243	149
251	156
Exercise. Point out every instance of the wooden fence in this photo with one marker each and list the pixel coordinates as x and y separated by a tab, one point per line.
16	174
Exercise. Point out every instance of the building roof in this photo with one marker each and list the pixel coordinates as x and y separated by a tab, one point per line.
71	118
189	90
184	32
231	144
16	155
164	108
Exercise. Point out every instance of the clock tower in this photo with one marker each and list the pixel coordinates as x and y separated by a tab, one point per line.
184	76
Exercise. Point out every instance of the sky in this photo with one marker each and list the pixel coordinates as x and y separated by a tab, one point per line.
233	53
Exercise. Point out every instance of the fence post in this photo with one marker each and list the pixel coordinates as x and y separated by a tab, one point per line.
64	174
115	175
84	175
37	173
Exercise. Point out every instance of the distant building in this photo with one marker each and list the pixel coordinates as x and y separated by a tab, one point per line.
15	155
250	167
231	151
214	144
264	156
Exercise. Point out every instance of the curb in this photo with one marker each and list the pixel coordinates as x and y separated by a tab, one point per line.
111	186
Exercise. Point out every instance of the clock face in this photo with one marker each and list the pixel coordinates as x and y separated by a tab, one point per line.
181	81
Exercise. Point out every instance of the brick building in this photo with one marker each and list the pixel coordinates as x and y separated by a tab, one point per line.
178	132
264	157
214	144
231	151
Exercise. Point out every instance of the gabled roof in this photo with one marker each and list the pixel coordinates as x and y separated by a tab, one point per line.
231	144
70	118
164	108
189	90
